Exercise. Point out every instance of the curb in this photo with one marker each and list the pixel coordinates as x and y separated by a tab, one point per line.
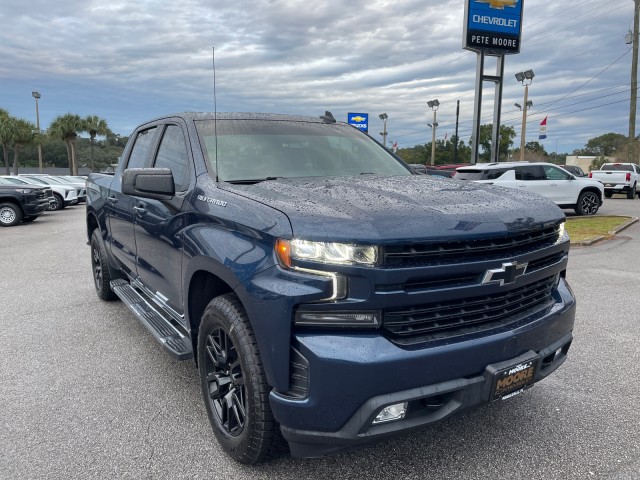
591	241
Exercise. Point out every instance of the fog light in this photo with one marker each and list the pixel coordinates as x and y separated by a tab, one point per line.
391	413
338	319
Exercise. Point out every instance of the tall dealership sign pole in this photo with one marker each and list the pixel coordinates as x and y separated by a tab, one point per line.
491	28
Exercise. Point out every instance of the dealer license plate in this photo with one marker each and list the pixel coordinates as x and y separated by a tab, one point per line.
512	380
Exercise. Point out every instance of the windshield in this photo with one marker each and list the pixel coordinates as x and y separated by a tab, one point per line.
39	180
15	181
264	149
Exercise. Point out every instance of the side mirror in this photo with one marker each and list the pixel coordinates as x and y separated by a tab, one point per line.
154	183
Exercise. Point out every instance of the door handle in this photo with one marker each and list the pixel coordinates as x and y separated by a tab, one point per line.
112	199
140	210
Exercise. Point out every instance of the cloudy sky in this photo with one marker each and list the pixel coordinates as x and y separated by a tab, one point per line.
129	61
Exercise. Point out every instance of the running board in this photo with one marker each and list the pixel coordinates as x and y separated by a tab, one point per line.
169	337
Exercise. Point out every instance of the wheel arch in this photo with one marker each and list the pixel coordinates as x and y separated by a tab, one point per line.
592	189
13	201
204	286
92	224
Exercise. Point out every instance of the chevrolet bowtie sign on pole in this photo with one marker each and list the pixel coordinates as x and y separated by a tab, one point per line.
493	28
359	120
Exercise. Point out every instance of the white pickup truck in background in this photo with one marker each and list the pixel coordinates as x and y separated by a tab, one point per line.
618	178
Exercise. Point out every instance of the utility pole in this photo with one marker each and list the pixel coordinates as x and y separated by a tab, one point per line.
631	156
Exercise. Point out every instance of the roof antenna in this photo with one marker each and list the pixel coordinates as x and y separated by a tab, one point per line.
328	117
215	108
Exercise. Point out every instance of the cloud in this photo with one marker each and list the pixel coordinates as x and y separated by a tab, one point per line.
130	61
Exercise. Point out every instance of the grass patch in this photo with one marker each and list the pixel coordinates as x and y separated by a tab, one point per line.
586	228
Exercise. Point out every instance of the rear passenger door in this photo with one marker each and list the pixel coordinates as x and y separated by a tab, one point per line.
532	178
159	224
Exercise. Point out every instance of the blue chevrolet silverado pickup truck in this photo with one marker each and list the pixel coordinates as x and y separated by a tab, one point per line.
329	297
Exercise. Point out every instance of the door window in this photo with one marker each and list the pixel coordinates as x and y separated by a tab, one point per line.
173	155
140	151
554	173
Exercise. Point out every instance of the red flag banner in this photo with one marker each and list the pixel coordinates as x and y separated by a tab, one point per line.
543	129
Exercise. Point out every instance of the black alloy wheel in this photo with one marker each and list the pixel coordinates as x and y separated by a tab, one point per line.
225	381
588	204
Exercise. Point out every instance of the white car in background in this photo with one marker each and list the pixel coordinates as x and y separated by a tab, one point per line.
63	195
80	185
566	190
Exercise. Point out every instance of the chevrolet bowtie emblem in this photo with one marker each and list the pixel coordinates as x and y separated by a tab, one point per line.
499	4
505	275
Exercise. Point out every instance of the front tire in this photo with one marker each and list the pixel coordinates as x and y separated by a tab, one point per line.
100	269
234	386
10	214
588	204
59	205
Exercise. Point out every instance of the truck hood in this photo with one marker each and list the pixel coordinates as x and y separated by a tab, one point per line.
385	210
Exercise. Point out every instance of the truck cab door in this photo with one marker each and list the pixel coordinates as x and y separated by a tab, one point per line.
159	224
120	211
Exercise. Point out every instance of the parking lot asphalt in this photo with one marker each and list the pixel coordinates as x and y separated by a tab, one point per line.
87	393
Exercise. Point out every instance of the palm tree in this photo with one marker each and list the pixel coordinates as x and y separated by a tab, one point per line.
95	125
23	134
6	134
67	128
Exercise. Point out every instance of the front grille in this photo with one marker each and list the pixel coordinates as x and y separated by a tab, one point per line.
457	251
441	320
41	195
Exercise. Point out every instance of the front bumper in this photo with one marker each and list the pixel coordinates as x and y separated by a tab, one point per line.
353	377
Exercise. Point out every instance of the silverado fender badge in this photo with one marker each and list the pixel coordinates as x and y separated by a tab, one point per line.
220	203
505	275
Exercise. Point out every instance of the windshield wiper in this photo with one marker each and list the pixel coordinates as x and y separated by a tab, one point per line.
251	181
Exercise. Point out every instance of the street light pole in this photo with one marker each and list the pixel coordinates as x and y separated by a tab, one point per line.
525	78
37	96
433	105
383	117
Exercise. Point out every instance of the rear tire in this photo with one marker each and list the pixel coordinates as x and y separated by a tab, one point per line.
631	193
10	214
233	383
100	269
608	194
588	203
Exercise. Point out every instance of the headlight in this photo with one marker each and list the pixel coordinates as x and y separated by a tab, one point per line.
23	190
562	234
325	252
